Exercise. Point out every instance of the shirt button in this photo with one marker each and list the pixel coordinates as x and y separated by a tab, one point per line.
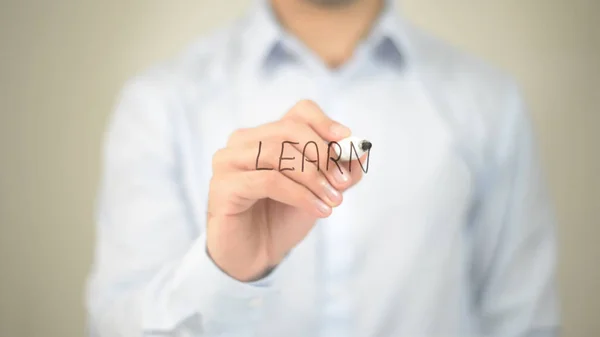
256	302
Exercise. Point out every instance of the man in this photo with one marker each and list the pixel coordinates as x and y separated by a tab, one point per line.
448	233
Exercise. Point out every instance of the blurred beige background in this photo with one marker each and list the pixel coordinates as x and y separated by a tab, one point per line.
63	61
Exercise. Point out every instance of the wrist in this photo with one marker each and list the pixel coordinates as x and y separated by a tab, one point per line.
239	269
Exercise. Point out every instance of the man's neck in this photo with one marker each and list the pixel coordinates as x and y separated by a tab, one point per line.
332	33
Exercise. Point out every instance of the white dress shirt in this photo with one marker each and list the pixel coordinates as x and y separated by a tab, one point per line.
450	233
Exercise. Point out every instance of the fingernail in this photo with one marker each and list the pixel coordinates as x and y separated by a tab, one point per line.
339	131
322	207
332	194
342	177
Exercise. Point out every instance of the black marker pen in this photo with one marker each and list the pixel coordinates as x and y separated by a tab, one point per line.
352	147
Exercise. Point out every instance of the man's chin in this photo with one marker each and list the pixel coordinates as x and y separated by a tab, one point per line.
332	3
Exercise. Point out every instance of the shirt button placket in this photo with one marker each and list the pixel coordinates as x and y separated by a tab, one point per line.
335	251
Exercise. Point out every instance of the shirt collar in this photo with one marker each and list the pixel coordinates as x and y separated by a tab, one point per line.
263	37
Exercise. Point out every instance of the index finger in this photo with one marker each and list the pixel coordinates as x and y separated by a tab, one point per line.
307	111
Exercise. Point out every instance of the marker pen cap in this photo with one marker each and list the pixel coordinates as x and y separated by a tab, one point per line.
351	145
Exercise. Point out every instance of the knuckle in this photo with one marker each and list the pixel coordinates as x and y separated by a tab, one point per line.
291	130
288	125
271	154
306	104
216	189
248	181
302	107
236	136
242	182
270	180
217	158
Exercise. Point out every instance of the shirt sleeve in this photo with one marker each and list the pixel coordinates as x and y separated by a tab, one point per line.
152	274
514	235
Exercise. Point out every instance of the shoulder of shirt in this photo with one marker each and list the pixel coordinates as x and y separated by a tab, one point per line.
481	102
449	62
198	65
466	85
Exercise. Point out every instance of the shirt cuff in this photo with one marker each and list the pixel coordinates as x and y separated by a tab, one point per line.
223	303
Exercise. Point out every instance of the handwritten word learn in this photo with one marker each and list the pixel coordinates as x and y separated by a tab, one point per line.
304	159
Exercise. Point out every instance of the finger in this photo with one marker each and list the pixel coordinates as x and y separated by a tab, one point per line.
291	164
277	131
304	112
356	169
346	173
239	191
283	133
308	112
290	133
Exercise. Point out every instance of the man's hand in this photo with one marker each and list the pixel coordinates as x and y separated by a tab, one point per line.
255	217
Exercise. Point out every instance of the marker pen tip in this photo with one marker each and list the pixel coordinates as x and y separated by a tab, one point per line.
365	145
